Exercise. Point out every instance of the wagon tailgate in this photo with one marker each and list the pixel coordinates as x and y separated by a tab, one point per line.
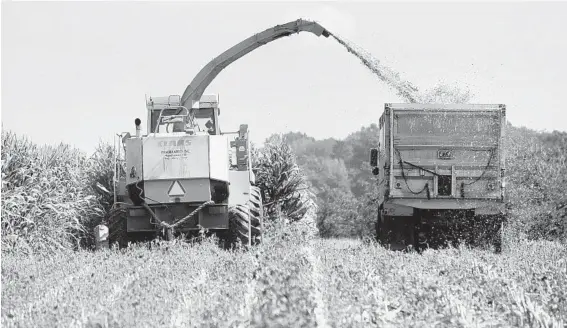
462	146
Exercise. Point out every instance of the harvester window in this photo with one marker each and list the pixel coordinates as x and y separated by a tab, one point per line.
205	120
173	127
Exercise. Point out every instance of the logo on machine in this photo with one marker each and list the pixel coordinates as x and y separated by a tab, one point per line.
444	154
175	143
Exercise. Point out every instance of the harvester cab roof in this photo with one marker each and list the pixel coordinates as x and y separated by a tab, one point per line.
167	115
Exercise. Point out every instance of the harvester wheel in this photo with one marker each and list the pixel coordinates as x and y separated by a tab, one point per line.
498	244
497	238
240	216
256	208
379	227
117	229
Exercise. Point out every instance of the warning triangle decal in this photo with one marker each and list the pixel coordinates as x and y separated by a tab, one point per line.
176	189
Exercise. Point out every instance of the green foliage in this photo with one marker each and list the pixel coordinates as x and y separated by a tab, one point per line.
340	177
537	177
366	284
49	194
47	198
100	174
281	180
327	175
357	147
287	281
193	282
338	215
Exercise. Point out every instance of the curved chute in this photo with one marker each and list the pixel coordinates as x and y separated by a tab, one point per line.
195	89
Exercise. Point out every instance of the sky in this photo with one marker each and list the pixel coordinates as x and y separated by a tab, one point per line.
79	72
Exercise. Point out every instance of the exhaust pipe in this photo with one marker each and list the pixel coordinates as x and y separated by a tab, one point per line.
137	121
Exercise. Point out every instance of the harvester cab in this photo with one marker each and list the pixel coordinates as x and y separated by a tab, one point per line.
166	114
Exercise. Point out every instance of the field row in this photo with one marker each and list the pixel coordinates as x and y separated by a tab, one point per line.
288	282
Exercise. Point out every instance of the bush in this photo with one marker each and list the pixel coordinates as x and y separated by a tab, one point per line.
337	214
283	183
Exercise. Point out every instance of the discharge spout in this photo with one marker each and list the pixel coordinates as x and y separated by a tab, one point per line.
195	89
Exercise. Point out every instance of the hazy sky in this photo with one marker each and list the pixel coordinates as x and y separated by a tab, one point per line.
77	72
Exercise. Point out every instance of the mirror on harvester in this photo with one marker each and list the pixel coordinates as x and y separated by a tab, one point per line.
375	171
373	157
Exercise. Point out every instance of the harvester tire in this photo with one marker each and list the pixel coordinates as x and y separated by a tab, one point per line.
117	233
240	216
498	244
378	225
497	238
257	208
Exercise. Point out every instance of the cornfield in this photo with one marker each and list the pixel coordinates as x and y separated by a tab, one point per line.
47	197
288	281
51	199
